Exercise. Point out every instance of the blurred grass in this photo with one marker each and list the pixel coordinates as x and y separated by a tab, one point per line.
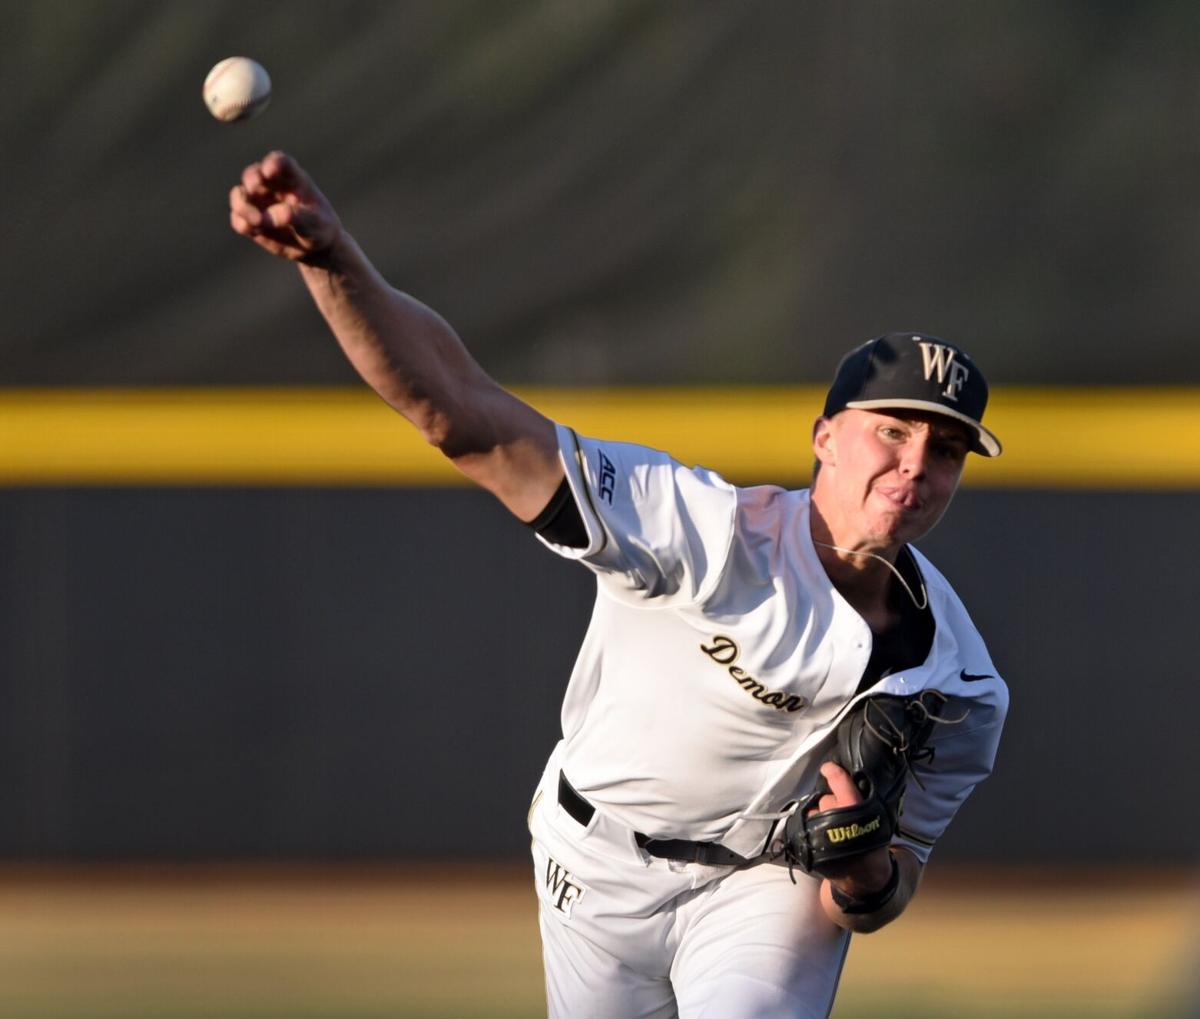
451	942
994	945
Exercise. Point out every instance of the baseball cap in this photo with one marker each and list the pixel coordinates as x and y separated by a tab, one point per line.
914	371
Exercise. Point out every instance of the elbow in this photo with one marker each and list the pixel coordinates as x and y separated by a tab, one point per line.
437	430
456	423
439	424
455	437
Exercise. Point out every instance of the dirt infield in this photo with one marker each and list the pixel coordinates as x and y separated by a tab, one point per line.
447	942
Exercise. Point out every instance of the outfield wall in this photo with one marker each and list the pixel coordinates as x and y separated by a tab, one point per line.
358	673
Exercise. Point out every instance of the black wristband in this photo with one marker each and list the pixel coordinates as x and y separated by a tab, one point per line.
874	902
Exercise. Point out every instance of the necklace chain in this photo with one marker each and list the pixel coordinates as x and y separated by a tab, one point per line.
921	605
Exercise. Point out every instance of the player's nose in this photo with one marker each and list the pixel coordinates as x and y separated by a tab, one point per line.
914	456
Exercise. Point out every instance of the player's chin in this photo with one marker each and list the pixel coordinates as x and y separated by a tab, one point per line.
900	527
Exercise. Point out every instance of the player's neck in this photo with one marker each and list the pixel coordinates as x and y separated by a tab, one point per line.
863	572
866	586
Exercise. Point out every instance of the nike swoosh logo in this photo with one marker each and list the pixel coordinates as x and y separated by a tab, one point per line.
970	677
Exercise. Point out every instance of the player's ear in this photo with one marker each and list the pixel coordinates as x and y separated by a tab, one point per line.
823	441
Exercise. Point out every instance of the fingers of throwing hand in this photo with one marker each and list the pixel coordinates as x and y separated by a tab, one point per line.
242	209
272	178
277	207
283	215
267	224
282	173
265	210
254	185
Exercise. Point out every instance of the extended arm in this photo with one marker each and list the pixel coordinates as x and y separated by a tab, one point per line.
403	349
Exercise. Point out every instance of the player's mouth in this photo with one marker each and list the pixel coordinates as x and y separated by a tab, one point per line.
902	498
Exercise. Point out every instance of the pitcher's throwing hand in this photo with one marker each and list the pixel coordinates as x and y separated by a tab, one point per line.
278	207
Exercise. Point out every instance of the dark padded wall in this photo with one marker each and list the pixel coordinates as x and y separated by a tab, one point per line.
326	674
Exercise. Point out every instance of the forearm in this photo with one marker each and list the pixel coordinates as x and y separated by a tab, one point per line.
402	349
909	870
415	361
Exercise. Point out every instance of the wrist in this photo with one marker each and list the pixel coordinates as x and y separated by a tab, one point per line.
331	249
870	902
325	257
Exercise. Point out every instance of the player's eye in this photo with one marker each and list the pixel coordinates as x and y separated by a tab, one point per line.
950	450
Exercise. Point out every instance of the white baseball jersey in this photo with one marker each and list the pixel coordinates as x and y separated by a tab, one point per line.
719	657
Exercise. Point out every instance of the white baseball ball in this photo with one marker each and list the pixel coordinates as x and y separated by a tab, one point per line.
237	88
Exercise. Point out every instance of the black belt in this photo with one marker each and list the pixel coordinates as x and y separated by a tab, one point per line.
711	853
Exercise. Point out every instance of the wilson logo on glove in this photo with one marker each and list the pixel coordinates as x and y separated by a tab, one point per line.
878	742
852	831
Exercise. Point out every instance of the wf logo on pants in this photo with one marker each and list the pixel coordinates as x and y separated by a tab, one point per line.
561	890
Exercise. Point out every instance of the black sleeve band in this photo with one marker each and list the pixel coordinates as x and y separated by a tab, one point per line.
561	522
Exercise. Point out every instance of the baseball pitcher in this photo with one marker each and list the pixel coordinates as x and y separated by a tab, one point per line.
779	704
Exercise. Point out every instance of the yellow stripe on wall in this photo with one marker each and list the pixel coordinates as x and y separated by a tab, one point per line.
1053	438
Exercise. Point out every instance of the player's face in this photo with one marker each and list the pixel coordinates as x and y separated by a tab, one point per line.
886	477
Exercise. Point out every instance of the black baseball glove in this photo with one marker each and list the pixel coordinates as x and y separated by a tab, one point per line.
878	742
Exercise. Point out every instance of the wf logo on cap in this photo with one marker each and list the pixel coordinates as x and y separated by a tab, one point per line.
939	358
914	371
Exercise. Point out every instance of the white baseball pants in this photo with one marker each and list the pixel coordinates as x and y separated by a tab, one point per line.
628	936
